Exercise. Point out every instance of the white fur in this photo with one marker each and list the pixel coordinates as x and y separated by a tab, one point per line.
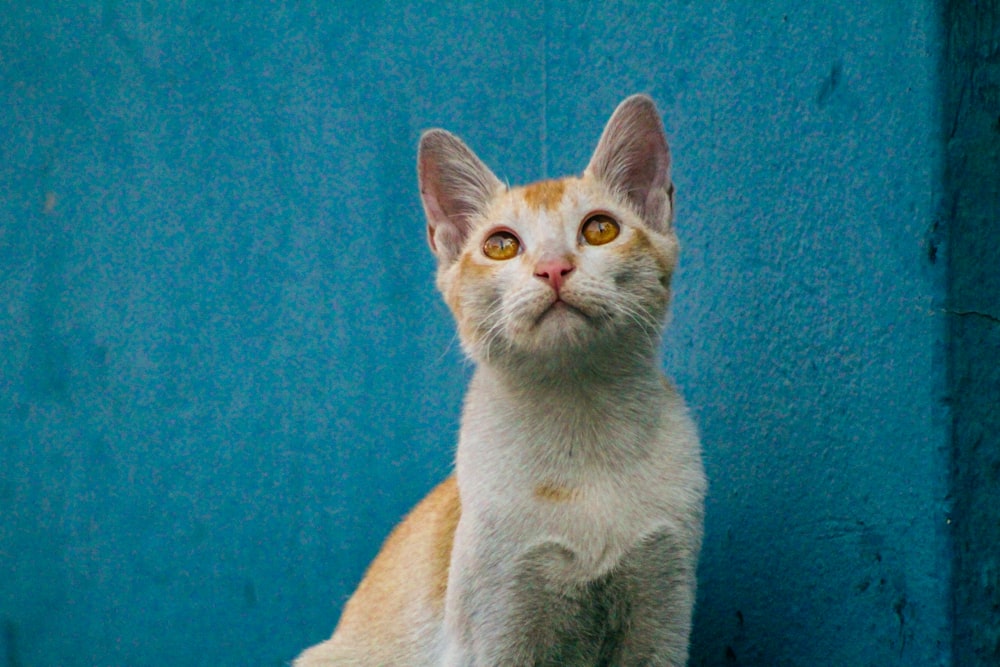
572	445
564	403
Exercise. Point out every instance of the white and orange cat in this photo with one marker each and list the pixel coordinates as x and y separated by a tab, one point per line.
570	532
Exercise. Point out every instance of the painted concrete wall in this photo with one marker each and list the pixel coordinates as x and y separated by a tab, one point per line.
226	374
972	119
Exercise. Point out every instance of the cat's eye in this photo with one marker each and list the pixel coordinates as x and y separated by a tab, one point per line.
501	245
599	229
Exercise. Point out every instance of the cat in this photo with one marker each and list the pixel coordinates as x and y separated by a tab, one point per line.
570	532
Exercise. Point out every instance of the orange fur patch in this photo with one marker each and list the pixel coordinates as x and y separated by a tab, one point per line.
449	510
640	244
469	272
469	268
554	493
412	565
544	194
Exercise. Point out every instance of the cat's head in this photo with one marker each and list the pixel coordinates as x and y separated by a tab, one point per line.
561	268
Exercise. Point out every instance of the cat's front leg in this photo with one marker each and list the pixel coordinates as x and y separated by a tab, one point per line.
653	592
519	610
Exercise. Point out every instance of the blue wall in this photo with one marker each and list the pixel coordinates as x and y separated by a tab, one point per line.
226	373
971	112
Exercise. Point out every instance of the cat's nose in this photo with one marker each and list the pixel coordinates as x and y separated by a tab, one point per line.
553	271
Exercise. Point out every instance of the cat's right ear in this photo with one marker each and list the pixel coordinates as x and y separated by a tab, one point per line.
633	158
455	187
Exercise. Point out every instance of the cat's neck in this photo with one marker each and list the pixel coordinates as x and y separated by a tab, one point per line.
578	416
615	364
532	379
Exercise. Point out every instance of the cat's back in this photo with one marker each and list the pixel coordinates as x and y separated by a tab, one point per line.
395	616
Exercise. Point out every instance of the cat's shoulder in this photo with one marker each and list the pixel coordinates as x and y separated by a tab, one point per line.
425	536
409	576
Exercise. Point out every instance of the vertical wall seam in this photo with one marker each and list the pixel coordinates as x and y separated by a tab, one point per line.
545	89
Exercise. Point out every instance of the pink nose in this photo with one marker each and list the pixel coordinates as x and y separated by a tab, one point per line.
553	271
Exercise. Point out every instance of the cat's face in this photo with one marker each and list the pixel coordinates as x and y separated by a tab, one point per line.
558	266
575	266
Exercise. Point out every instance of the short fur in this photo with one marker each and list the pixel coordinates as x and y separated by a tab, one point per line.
570	532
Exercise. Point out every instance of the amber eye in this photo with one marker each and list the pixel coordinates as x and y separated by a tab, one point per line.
501	245
599	229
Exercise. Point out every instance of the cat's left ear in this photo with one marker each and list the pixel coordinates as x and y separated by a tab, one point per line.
633	158
455	187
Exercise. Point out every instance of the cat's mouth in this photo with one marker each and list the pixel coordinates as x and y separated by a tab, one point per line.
559	308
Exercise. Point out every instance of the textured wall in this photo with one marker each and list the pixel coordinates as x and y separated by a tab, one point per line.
226	373
972	120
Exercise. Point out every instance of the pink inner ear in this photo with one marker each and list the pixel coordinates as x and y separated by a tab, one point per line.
430	238
454	186
633	157
435	216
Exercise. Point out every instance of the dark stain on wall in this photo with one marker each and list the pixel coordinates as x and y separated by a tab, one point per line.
830	84
11	656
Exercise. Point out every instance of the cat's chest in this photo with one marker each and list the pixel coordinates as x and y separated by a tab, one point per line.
588	510
599	520
593	475
595	513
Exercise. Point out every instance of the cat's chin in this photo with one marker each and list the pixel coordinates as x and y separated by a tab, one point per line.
559	311
559	328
